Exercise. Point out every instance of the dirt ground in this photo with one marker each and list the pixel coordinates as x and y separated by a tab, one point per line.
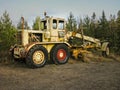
102	74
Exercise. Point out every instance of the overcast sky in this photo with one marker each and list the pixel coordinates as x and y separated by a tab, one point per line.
58	8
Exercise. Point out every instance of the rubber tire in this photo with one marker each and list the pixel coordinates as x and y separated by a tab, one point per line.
105	53
29	56
53	54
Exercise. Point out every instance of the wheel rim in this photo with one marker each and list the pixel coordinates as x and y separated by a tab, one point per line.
107	51
61	54
38	57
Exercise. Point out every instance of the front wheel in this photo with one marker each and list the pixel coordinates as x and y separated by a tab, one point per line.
106	53
60	54
37	56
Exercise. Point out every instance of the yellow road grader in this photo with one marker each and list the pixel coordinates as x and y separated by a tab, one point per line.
53	42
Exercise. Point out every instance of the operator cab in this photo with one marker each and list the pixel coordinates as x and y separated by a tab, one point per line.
53	23
54	26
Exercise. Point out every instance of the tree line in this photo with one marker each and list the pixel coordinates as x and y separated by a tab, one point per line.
102	28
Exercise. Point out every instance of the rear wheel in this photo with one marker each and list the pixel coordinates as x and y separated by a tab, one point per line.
60	54
37	57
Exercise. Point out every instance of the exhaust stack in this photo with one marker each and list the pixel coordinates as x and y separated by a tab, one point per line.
22	21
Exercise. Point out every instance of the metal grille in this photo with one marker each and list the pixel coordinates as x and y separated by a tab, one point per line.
19	37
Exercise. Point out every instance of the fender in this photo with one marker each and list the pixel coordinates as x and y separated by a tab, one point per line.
29	46
104	46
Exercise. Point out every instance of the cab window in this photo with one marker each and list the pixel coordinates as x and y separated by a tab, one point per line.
44	25
61	25
54	24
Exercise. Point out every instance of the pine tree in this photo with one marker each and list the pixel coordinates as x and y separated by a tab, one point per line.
93	25
37	25
103	29
112	32
86	26
71	24
7	31
118	31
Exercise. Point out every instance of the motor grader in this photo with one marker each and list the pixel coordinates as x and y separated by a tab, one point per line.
53	42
